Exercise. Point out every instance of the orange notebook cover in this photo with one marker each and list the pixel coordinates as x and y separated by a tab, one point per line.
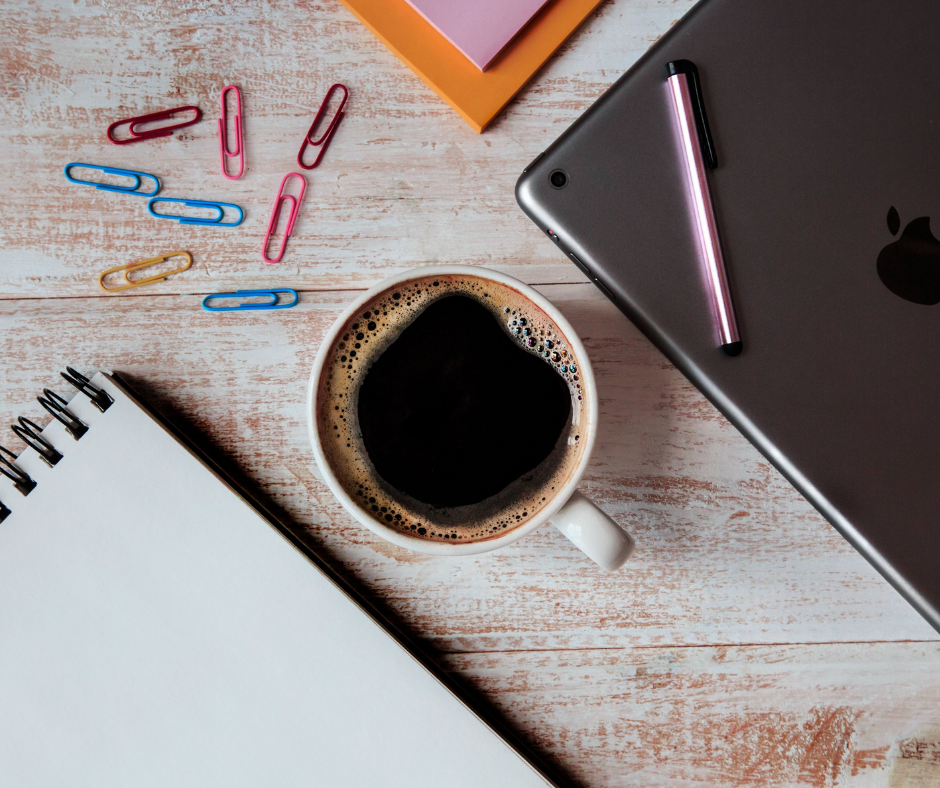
477	96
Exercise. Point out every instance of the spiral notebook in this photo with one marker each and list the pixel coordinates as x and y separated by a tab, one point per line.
157	628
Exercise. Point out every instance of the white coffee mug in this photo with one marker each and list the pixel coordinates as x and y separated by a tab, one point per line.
569	511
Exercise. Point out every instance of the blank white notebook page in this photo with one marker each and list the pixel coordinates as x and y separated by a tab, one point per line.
156	631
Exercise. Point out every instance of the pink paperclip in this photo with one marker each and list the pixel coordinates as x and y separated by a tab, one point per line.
294	203
324	141
224	150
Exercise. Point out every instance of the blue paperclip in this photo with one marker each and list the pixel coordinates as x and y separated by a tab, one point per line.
115	171
272	304
217	222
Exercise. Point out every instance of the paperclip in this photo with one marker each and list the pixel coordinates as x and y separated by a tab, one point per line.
279	201
163	131
224	149
129	267
217	222
263	305
324	142
115	171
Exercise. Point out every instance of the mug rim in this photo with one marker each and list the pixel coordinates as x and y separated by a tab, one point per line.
454	548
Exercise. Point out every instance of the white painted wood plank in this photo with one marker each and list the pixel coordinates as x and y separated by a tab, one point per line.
847	715
727	551
405	183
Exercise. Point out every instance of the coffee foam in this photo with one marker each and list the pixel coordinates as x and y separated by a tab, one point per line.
364	338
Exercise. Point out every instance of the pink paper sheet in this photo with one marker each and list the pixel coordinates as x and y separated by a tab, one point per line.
478	28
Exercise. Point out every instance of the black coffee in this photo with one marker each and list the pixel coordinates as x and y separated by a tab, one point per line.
451	408
454	411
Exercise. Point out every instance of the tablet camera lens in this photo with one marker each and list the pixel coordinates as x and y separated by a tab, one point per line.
558	179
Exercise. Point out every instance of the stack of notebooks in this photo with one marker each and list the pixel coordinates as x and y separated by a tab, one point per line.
474	55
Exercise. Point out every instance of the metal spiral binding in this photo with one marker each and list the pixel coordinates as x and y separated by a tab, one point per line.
56	407
100	399
31	434
21	480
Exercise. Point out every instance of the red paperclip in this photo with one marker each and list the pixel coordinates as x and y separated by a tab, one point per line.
324	142
279	201
224	149
163	131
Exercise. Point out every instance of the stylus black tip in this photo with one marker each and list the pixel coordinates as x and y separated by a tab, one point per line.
733	348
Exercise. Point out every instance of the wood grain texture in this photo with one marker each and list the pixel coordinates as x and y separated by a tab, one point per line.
405	182
853	715
745	644
727	552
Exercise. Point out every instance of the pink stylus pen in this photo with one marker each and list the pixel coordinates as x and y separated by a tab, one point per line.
698	152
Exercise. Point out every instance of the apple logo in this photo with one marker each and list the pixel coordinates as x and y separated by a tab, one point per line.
910	267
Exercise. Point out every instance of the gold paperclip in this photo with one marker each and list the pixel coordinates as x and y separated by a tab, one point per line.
129	267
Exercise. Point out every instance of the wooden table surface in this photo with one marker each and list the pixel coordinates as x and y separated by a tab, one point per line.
746	643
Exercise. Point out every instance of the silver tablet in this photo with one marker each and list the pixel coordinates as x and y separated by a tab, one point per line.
825	119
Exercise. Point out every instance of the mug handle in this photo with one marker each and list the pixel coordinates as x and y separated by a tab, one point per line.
593	532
